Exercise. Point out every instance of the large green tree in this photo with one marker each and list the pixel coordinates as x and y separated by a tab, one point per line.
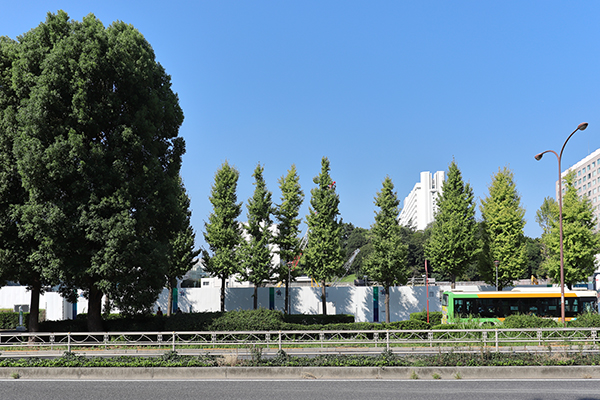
452	246
323	255
387	262
23	258
257	259
580	241
223	231
288	228
97	151
503	238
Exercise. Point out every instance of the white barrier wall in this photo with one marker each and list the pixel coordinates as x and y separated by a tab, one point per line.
357	301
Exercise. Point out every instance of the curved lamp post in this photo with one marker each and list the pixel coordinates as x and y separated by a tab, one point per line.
538	157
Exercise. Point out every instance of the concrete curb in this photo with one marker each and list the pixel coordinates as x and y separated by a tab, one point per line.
233	373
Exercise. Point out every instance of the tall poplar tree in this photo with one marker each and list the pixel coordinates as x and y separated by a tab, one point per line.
323	255
257	260
223	232
503	238
288	228
452	245
580	241
386	264
182	253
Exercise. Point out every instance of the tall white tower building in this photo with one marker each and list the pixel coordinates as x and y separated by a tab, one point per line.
420	205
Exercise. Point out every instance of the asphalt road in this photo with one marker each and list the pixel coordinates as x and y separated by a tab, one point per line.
302	390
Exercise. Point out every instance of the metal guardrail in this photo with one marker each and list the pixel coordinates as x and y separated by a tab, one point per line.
488	338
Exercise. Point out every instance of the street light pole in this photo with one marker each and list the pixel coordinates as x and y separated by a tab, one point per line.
580	127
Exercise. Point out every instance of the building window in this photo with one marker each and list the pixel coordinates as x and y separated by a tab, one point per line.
588	167
584	178
578	173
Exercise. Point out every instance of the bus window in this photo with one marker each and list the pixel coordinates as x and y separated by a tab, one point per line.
445	299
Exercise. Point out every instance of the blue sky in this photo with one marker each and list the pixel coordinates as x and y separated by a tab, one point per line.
380	88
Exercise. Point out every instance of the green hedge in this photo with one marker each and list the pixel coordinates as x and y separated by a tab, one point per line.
435	317
271	320
10	320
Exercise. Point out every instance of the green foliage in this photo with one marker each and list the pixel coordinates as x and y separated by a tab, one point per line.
518	321
586	320
223	233
385	359
10	320
435	317
181	245
581	242
323	254
288	227
248	320
387	262
255	250
356	238
312	319
503	239
95	143
452	246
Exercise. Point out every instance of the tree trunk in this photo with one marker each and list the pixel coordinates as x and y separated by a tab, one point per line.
452	281
324	298
170	302
255	297
34	306
170	299
94	317
222	294
387	304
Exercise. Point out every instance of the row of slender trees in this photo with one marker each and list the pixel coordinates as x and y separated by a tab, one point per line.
454	243
90	191
249	255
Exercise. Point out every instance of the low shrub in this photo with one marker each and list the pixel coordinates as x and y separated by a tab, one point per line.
248	320
587	320
435	317
318	319
521	321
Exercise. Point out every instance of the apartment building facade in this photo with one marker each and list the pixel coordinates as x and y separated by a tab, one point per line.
420	206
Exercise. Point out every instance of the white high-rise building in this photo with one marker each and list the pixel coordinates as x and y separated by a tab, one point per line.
420	205
587	181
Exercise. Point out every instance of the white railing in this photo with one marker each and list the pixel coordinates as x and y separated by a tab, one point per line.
484	338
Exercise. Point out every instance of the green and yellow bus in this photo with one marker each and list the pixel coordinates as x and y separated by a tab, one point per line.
493	307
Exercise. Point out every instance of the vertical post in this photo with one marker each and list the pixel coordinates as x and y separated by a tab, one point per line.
496	340
427	289
173	340
69	342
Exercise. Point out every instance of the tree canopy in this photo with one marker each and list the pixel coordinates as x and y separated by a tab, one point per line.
223	231
323	254
95	139
257	260
503	238
387	262
288	228
451	245
580	242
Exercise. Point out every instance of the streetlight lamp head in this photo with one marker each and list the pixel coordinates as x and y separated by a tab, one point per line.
582	126
538	157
